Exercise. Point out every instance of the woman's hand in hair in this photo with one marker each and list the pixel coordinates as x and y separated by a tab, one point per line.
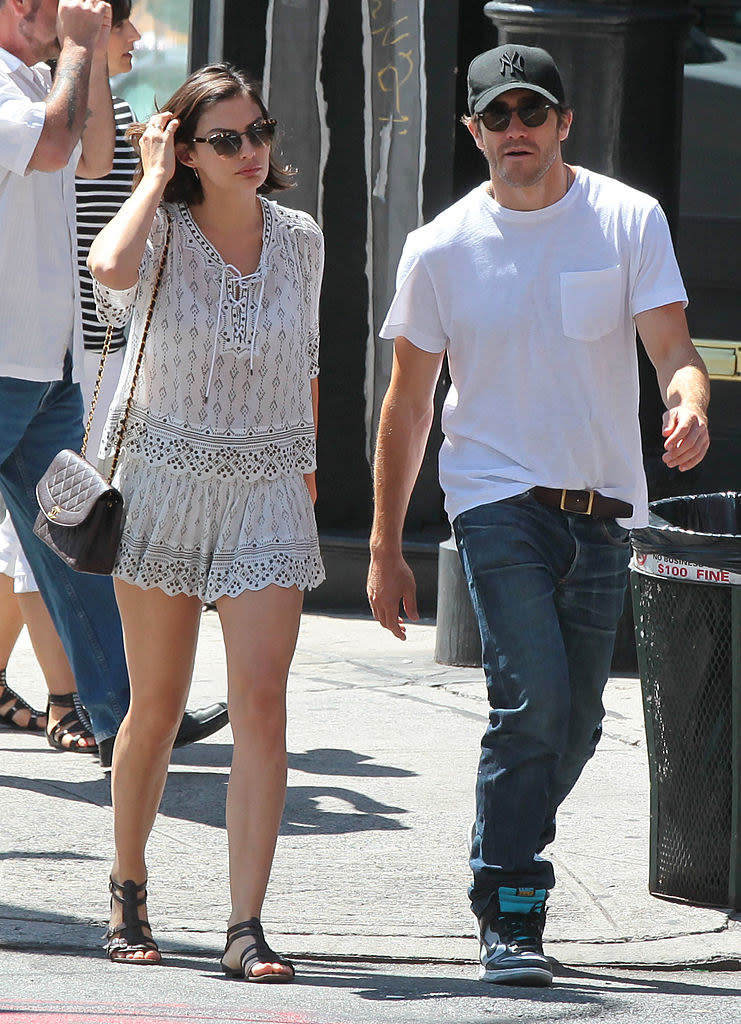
116	253
157	147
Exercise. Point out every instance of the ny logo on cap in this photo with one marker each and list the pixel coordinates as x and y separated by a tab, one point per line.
512	62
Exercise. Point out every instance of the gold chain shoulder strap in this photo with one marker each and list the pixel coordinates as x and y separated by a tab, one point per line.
139	358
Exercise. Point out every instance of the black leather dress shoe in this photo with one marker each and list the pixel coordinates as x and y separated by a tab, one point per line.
195	725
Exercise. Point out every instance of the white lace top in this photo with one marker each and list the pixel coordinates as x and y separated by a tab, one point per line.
221	427
224	388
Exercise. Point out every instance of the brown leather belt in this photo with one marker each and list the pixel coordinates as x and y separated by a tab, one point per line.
585	503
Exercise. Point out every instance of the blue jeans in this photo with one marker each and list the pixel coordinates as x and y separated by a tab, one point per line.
36	421
547	587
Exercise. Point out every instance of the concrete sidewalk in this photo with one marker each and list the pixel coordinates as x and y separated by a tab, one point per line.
371	862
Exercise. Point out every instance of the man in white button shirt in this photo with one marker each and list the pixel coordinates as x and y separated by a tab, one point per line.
533	286
48	133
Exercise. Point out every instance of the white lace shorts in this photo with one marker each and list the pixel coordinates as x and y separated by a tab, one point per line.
214	537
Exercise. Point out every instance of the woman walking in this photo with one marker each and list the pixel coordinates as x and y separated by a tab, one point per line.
217	472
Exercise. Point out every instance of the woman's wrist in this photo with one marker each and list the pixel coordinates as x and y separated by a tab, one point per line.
153	181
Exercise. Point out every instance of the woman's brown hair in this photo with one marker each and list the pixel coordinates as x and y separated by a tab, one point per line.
201	90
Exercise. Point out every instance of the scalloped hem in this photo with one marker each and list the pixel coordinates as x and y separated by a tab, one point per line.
197	581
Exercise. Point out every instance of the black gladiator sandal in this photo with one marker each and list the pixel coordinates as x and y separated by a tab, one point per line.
11	703
129	937
257	952
71	725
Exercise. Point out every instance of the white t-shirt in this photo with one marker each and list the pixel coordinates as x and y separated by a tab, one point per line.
39	294
535	310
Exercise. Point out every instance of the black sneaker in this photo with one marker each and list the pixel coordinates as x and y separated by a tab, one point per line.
511	936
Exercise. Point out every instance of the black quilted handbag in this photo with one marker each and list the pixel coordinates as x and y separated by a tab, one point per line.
81	517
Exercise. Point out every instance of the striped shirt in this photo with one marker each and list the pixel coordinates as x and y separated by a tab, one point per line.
97	202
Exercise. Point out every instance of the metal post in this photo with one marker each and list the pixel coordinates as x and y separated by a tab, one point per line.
622	63
457	637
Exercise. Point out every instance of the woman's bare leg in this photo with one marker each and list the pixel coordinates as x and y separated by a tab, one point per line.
11	624
160	635
51	657
260	631
11	620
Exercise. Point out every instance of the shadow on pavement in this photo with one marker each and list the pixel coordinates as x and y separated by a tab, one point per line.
321	761
47	855
200	797
93	791
574	986
309	810
333	810
374	986
333	761
647	984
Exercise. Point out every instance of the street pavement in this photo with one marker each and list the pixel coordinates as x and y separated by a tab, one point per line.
371	862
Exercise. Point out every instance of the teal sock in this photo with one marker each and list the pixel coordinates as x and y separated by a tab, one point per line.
521	901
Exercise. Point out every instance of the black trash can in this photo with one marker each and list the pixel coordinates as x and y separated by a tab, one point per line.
686	590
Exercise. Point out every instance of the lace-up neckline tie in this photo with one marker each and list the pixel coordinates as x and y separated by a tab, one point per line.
235	291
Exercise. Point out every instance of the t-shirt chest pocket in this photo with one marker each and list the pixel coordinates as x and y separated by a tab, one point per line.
591	303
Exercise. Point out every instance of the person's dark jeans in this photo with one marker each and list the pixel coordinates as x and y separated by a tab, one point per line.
547	587
36	421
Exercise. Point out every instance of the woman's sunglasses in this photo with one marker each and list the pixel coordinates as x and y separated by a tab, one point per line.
533	115
228	143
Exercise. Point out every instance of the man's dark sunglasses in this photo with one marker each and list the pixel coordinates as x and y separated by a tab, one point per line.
227	142
497	117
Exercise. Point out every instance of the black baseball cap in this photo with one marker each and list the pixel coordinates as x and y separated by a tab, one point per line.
512	67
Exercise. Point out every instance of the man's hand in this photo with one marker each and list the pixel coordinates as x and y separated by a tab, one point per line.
84	23
684	383
686	437
391	581
101	47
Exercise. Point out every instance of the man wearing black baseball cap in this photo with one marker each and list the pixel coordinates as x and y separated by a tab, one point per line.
533	285
508	67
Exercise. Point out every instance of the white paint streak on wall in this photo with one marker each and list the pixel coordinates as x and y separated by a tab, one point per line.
270	14
321	104
215	31
423	111
370	345
384	153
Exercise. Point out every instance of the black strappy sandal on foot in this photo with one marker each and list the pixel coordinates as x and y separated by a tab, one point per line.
256	952
11	703
129	937
70	725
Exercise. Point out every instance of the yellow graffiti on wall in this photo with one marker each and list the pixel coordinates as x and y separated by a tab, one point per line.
392	77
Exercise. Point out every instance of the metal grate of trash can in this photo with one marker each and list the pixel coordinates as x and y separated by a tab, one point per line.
689	734
688	639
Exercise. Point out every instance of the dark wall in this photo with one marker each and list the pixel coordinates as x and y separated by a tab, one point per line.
476	34
342	205
243	37
720	18
345	479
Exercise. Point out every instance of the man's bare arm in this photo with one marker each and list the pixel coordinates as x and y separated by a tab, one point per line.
99	129
683	381
82	32
406	418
